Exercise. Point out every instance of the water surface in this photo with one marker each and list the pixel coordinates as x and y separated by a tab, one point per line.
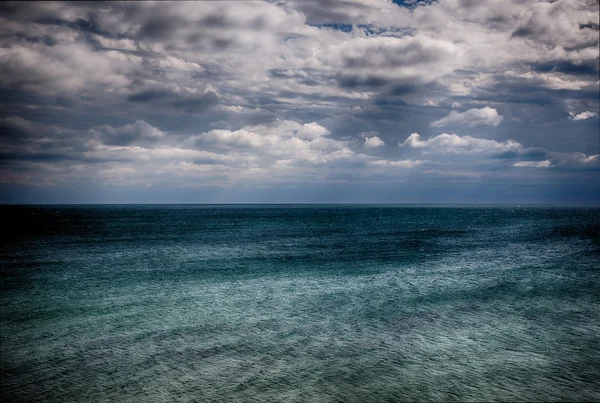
300	303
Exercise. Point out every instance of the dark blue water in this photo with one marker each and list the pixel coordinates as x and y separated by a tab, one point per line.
300	303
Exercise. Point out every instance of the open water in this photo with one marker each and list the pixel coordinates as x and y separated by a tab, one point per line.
300	303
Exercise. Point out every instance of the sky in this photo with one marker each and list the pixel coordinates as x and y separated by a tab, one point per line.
355	101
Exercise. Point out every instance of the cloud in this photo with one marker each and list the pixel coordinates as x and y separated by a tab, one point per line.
533	164
400	163
374	141
139	152
565	23
131	47
138	132
22	139
553	80
583	115
446	148
456	144
18	129
383	61
291	140
473	118
351	12
187	101
212	92
61	68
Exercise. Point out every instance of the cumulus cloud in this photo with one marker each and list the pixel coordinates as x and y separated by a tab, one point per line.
373	62
139	152
565	23
583	115
281	139
374	141
485	150
453	143
473	118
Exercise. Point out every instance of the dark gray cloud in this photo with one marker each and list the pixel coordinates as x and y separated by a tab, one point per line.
196	103
160	28
355	81
585	68
138	132
149	95
22	140
331	11
191	103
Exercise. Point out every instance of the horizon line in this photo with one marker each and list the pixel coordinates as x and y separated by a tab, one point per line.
303	203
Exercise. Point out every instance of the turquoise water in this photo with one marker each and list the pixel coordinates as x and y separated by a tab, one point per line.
300	303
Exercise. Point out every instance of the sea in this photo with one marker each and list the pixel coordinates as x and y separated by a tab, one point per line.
299	303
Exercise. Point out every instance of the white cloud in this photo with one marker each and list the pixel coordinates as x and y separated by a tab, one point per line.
442	148
63	68
581	159
400	163
533	164
555	81
456	144
283	139
473	118
558	23
374	141
311	131
583	115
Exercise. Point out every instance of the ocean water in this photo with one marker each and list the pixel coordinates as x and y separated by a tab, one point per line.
300	303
